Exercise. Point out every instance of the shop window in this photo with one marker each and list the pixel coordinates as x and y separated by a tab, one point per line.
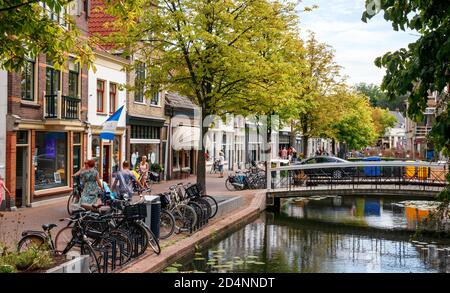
112	97
22	137
96	149
116	154
50	160
76	152
27	81
100	96
151	151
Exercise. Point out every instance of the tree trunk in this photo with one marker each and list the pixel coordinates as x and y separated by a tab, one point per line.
292	138
201	162
305	146
333	146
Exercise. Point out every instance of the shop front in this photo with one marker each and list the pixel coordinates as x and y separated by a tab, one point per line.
108	154
147	137
42	162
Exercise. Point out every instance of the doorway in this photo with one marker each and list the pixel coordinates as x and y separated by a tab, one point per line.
106	163
22	198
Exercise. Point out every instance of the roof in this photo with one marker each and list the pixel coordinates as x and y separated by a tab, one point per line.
176	100
97	21
400	119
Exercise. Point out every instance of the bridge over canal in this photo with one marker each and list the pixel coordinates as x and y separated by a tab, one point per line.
420	180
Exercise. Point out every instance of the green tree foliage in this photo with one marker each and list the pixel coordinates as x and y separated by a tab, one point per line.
225	55
314	108
355	127
424	65
378	98
382	120
27	29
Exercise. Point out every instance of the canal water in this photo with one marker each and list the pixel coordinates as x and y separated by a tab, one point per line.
327	234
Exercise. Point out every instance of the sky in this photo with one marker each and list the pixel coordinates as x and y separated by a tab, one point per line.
356	44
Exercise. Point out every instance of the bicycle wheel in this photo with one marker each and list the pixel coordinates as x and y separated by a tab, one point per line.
152	241
72	203
118	246
229	186
30	241
94	265
138	237
63	238
205	205
213	203
201	213
167	225
185	217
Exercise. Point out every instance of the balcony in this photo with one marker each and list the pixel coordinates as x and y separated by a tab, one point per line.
61	107
422	131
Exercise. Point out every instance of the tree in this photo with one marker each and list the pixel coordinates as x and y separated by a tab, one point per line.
356	127
382	120
378	98
221	54
27	29
424	65
314	108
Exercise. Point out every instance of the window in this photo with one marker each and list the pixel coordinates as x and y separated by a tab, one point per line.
76	152
56	17
51	159
52	79
74	72
22	137
27	81
145	132
139	82
112	97
100	96
155	99
96	149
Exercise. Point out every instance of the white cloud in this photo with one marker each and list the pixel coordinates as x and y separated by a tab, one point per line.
357	44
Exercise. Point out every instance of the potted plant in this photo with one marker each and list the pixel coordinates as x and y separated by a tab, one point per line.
158	169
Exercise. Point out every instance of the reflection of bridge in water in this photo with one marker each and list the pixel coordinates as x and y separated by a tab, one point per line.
419	180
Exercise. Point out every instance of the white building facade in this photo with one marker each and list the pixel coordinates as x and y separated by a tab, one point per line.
106	95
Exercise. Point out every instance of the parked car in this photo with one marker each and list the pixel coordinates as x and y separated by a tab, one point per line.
335	173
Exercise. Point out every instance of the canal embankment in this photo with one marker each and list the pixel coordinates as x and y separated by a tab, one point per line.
233	213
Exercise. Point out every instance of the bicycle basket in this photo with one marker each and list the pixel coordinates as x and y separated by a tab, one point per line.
193	191
137	211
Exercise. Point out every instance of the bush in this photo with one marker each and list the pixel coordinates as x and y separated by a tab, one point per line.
34	258
155	167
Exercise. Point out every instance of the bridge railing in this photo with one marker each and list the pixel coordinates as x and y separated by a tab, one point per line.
396	174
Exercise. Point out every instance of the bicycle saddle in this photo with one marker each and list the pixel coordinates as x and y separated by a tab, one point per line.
48	227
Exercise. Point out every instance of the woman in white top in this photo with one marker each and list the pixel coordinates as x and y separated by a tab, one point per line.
221	163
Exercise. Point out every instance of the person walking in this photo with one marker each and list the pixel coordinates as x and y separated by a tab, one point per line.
123	181
284	153
92	185
221	163
144	168
2	186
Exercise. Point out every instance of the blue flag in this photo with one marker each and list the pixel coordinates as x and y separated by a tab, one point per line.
109	127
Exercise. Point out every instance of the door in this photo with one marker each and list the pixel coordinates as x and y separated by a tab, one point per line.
106	163
22	198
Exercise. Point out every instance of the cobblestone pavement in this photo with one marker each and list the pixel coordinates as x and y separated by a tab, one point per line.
13	223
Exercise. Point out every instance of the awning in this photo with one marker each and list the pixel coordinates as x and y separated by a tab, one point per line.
185	138
144	141
145	121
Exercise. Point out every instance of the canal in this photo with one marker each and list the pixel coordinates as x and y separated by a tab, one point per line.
327	234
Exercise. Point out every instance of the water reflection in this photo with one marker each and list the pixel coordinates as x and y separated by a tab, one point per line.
361	211
300	240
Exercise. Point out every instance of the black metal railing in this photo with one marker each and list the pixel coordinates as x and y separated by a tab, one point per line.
423	176
70	107
51	106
